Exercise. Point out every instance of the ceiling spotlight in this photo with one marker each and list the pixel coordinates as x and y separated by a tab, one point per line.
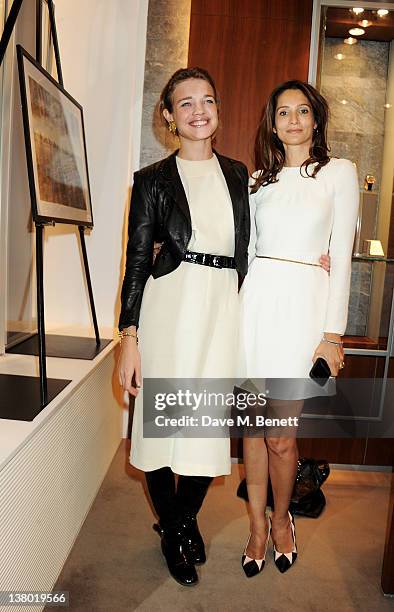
357	10
387	105
343	101
382	12
350	41
339	56
356	31
365	23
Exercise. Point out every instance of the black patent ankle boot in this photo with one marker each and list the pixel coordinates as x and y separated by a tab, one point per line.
194	543
173	547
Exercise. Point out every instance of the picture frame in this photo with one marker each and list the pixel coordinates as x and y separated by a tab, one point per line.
55	147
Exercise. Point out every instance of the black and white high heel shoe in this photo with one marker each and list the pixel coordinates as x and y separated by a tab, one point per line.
250	566
284	561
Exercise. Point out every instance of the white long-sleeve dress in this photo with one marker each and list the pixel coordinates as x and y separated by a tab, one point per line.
286	307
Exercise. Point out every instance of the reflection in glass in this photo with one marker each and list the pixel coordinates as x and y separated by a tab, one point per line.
2	233
48	53
360	91
2	8
19	301
19	252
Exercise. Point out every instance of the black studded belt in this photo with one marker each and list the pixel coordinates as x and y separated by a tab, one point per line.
215	261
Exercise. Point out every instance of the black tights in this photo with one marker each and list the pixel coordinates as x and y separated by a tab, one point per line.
172	503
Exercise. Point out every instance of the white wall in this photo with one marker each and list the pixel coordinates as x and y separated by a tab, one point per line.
102	46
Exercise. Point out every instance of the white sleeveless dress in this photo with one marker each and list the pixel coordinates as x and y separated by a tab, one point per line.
188	324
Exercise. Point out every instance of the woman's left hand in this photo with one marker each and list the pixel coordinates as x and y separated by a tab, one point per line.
325	262
156	249
332	353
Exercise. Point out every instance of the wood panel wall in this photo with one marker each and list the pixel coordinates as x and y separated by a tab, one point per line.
249	47
388	558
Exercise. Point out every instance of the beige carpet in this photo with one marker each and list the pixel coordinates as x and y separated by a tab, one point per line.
116	563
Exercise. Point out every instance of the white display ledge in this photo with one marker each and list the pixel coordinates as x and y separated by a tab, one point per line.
13	434
52	467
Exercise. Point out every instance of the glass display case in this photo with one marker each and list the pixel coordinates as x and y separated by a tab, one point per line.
355	73
371	303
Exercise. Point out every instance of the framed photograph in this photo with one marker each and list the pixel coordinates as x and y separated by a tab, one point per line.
55	147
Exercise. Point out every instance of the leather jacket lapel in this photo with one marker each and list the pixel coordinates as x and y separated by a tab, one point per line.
233	187
173	184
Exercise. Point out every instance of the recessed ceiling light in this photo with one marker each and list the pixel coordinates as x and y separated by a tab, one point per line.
365	23
388	105
339	56
350	41
357	10
343	101
382	12
356	31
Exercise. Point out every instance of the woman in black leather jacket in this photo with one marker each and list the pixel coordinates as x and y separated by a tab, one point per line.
185	303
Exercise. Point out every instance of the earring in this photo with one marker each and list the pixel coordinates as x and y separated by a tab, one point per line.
172	127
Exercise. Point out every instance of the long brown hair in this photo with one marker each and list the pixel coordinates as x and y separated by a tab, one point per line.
269	152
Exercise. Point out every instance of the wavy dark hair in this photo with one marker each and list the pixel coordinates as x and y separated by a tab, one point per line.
269	152
183	74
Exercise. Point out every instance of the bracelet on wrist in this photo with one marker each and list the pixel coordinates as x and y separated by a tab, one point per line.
340	343
125	334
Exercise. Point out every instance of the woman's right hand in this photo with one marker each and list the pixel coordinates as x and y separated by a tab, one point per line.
129	365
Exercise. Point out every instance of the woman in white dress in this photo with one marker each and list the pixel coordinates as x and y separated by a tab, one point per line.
303	203
185	303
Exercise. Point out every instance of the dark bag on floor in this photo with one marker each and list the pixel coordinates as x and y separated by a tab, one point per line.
307	498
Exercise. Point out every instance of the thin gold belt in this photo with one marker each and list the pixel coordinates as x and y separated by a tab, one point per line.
304	263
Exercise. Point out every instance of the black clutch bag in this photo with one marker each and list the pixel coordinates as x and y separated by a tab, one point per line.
320	371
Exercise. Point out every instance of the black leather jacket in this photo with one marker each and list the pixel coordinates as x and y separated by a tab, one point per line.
159	212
